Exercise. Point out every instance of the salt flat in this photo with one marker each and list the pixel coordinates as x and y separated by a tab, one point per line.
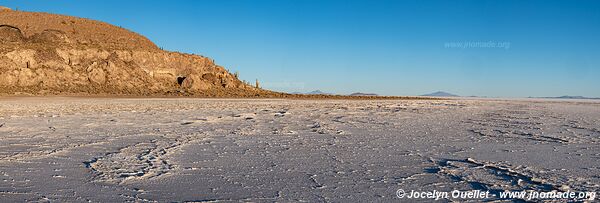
115	150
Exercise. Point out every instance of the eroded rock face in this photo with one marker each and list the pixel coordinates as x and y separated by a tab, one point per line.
10	34
74	55
51	36
111	71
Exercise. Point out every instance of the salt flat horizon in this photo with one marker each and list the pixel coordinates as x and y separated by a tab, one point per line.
272	150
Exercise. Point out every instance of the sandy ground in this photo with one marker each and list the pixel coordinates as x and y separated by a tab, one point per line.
115	150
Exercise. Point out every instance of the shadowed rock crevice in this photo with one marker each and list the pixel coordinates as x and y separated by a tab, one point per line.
180	80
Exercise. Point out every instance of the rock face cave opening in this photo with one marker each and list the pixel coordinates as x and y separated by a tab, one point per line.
180	80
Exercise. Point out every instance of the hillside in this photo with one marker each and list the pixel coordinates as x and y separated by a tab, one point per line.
48	54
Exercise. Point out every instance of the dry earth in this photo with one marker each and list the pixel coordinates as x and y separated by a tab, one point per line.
138	150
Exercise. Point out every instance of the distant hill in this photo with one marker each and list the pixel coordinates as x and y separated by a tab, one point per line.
316	92
567	97
363	94
440	94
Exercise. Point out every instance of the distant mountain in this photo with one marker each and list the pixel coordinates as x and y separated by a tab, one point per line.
572	97
317	92
313	92
567	97
363	94
440	94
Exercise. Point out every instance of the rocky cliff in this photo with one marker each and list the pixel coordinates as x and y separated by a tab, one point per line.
47	54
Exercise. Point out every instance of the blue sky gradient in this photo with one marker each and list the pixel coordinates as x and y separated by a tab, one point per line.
386	47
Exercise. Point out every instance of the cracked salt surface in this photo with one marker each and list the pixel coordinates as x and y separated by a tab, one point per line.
145	150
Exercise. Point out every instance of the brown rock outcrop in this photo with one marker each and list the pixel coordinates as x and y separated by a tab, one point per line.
44	53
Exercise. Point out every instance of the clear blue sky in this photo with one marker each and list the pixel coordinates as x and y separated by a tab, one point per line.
388	47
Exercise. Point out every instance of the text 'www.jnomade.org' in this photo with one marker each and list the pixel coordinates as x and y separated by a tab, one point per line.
480	194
